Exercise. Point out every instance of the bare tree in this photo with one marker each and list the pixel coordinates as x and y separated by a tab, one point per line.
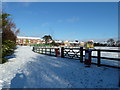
9	31
110	42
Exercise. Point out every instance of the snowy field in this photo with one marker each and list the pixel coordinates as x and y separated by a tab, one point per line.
27	69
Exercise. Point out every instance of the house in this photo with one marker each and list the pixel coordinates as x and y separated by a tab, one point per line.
67	43
28	40
82	43
74	44
71	43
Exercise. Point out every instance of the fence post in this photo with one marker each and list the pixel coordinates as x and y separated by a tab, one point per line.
81	54
36	49
98	58
50	51
62	52
42	50
45	50
33	48
87	61
56	52
39	49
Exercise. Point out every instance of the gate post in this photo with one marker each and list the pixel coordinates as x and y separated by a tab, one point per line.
98	58
81	54
56	52
62	52
33	48
87	57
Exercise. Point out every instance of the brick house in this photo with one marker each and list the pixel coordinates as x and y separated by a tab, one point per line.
28	40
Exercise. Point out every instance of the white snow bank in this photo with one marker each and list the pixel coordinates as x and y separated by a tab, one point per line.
9	69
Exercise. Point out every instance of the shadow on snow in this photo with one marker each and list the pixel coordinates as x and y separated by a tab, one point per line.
55	72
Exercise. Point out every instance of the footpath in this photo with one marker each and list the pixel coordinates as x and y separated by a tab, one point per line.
27	69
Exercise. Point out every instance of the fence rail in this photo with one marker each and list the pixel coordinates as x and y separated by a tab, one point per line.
77	53
46	51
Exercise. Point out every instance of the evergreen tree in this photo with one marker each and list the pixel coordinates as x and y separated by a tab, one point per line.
47	38
9	34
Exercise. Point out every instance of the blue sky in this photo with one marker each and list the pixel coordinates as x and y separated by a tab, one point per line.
65	20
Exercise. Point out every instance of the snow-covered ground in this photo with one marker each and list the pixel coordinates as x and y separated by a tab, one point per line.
27	69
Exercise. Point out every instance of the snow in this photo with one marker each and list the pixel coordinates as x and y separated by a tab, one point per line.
110	48
27	69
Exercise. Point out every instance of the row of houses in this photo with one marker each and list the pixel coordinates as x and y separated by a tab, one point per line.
28	40
36	40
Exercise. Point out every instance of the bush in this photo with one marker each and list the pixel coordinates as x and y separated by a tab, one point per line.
4	60
8	47
10	44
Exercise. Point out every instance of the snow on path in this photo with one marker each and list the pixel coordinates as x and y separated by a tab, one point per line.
20	58
32	70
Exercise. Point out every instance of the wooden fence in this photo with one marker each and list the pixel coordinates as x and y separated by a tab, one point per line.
46	51
77	53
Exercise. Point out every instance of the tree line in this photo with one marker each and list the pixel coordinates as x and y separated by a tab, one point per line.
110	42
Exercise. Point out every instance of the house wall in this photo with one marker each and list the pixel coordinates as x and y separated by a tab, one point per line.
24	41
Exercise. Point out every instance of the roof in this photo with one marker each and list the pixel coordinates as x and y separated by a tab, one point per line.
20	37
91	41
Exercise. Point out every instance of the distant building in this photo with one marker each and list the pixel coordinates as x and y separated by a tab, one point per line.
118	43
67	43
82	43
58	41
71	43
28	40
103	42
74	43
